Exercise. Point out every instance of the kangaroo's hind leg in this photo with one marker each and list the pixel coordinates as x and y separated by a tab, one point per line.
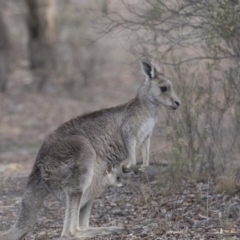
71	221
79	179
85	215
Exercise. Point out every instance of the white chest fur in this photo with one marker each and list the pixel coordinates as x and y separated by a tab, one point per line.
145	129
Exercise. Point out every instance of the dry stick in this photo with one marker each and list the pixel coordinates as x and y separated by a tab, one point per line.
154	159
150	188
158	210
207	201
224	234
213	227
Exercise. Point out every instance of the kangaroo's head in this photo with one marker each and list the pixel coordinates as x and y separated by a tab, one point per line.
158	88
113	176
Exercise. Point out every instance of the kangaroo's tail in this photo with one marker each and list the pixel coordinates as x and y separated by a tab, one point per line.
32	201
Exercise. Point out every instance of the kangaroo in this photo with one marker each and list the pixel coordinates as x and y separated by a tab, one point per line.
70	158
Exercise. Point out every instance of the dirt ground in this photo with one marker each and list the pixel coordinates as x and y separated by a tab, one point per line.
142	206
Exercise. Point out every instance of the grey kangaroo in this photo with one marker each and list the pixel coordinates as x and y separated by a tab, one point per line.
74	157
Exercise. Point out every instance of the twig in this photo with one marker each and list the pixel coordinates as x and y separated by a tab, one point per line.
224	234
207	200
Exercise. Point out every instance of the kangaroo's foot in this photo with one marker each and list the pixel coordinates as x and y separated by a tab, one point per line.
141	169
93	232
126	169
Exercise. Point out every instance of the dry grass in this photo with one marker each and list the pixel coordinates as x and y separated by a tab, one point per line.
226	184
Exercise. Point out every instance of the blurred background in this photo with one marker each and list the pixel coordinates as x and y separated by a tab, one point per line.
59	59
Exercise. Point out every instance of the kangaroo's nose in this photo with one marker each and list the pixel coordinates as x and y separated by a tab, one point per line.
177	103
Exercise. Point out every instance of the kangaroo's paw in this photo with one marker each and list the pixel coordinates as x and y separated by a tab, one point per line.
143	167
126	169
139	170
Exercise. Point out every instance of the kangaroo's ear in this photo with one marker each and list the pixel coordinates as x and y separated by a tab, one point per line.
109	168
157	66
147	69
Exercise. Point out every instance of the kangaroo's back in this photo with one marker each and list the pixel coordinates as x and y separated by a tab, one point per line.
102	128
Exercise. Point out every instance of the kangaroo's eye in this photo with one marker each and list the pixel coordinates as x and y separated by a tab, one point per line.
163	89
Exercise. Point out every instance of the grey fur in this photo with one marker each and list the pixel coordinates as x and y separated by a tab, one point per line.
74	157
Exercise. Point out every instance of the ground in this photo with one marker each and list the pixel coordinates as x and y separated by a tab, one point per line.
154	205
142	206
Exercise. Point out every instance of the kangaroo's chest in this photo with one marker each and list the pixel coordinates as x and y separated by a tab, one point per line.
145	129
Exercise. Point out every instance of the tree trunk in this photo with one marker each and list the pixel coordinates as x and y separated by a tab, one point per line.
4	55
41	42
